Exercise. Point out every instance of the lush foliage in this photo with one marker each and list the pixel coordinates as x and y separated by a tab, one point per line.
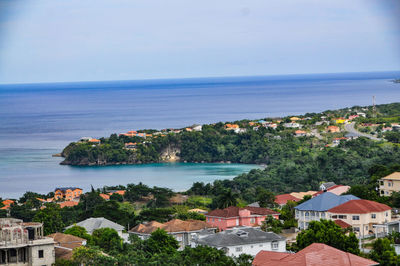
327	232
384	253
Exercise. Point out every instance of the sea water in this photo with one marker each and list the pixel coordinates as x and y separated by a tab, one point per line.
38	120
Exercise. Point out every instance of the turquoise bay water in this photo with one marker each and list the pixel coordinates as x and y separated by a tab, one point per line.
38	120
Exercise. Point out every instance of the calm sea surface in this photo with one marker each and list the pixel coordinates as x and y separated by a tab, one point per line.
38	120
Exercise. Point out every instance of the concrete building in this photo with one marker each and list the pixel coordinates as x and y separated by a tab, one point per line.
24	244
317	207
362	215
183	231
389	184
244	240
234	216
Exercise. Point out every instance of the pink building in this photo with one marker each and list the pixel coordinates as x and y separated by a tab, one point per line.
235	216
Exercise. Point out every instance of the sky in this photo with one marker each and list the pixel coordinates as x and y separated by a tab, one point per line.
94	40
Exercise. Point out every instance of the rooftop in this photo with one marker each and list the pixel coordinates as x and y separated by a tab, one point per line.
324	202
63	189
360	206
92	224
393	176
68	241
172	226
315	254
233	211
242	236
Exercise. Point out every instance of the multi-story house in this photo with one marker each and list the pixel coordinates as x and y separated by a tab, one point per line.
317	207
67	193
246	240
234	216
361	215
389	184
183	231
24	244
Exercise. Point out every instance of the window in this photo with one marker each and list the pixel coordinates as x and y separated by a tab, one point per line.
41	253
208	218
342	216
274	245
213	219
389	184
381	183
356	217
382	192
238	249
219	220
334	216
356	229
307	214
260	245
252	220
387	214
373	215
322	215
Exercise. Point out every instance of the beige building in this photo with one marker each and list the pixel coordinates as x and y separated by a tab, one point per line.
23	244
362	215
389	184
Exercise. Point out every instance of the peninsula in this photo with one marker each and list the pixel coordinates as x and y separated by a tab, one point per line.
244	141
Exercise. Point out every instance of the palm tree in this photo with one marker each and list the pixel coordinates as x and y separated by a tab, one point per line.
227	199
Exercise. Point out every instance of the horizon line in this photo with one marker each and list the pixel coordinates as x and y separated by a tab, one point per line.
198	77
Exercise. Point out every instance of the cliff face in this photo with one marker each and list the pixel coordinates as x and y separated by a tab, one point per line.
170	154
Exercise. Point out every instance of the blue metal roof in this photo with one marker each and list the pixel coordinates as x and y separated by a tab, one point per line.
324	202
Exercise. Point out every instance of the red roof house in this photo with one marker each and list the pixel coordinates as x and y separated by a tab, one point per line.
315	254
235	216
284	198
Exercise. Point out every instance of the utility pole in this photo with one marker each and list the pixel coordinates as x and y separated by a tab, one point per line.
373	107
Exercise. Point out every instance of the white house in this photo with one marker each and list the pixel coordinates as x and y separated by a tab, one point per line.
243	240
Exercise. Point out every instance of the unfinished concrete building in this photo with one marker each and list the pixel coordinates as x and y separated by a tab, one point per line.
24	244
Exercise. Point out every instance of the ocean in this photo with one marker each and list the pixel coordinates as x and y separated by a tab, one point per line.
38	120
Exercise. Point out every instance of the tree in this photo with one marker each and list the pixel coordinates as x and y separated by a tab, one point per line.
161	242
272	225
205	255
79	232
111	210
23	212
91	257
107	239
117	197
51	218
384	253
226	199
327	232
264	197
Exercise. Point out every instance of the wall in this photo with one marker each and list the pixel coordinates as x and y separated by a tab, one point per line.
388	190
48	255
253	249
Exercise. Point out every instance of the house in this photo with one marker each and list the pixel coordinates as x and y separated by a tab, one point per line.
94	141
120	192
317	207
105	196
24	243
67	193
131	145
65	244
336	141
386	129
291	125
361	215
198	128
294	118
68	203
333	129
246	240
236	216
389	184
313	255
301	195
326	186
231	126
92	224
183	231
239	130
340	121
284	198
336	189
300	133
351	117
7	204
198	211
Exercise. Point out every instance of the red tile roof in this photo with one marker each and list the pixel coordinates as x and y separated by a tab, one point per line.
104	196
233	211
68	204
342	224
282	199
360	206
332	187
314	255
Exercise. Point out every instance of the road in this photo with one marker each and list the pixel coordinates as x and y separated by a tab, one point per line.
350	128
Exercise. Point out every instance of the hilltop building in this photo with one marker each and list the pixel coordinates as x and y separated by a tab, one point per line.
67	193
24	244
389	184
